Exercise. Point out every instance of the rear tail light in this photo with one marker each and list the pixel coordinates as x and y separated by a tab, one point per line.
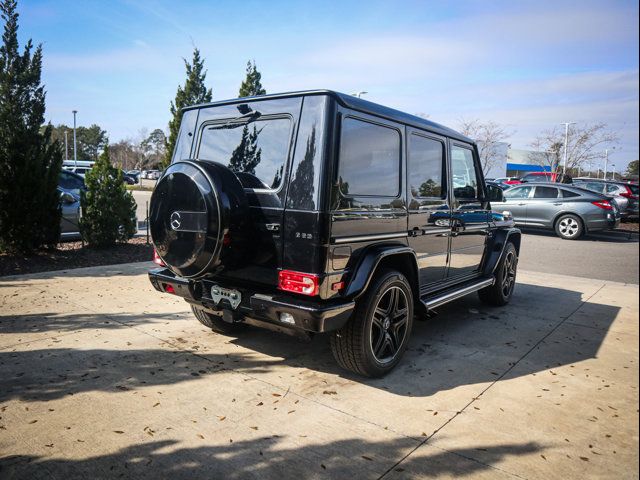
297	282
629	194
157	260
603	204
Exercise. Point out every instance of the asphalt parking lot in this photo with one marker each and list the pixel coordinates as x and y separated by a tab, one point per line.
101	377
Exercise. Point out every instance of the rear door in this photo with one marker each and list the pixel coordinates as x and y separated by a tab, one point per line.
544	205
429	210
469	213
254	140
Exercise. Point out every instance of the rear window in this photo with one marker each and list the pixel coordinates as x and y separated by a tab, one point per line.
569	194
633	188
255	151
369	159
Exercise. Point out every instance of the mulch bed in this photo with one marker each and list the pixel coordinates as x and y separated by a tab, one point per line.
631	226
68	255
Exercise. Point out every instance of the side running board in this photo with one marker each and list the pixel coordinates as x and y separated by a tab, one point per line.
431	302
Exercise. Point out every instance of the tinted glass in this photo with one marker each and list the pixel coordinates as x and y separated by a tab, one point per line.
569	194
465	180
70	182
426	167
633	188
545	192
518	192
369	159
256	151
612	188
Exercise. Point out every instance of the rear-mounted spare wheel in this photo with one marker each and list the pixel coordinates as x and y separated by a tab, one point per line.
195	208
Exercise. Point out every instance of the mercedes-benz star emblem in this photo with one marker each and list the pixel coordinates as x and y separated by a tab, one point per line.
175	220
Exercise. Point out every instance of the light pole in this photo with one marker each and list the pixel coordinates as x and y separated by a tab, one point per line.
359	94
613	171
75	150
566	140
606	161
66	145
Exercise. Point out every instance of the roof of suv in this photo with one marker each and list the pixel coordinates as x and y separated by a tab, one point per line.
355	103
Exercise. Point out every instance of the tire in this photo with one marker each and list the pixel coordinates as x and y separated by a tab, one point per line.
569	227
381	323
215	323
501	291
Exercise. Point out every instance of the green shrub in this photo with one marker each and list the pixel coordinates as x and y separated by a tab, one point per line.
108	209
29	161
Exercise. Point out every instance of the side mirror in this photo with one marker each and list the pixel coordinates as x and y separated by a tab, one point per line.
66	197
495	193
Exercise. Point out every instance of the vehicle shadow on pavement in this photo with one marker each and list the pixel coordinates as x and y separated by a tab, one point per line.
467	343
266	458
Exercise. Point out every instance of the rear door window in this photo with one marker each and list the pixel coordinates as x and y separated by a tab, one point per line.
545	192
256	151
426	167
369	159
569	194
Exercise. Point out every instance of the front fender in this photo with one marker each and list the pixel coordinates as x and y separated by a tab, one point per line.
370	260
497	246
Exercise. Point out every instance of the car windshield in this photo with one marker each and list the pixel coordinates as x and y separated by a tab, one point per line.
256	151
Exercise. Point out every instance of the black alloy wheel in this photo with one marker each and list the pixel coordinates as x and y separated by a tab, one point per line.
374	339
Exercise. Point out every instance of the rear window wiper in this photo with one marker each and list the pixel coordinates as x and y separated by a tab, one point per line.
245	118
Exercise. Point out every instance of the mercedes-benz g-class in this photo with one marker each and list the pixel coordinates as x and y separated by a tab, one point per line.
322	212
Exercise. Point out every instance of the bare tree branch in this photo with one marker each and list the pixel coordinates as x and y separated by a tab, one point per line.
488	135
585	144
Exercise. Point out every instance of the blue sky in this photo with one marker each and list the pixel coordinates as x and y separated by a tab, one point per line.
526	65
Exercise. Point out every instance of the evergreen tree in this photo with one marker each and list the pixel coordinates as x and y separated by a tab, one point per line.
246	156
301	188
251	85
108	209
193	92
29	162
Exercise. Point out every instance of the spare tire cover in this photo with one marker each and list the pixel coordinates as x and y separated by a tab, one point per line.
189	214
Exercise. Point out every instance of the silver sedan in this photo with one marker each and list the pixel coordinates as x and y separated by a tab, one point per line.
570	211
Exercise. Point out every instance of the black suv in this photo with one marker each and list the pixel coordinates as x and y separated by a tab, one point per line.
322	212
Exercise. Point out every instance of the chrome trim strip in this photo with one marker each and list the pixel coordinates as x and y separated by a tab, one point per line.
362	238
448	297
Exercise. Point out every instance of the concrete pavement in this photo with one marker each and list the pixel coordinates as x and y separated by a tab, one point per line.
102	377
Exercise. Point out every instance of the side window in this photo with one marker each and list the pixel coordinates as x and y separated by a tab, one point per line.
426	167
612	189
369	159
465	180
518	192
569	194
545	192
595	186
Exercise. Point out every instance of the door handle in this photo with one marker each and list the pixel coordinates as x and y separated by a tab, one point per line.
557	203
521	204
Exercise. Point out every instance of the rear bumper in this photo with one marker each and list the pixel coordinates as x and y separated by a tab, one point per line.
303	314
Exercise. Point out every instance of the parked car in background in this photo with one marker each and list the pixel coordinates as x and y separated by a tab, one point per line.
546	177
71	182
568	210
625	194
129	179
501	186
71	212
153	174
508	180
